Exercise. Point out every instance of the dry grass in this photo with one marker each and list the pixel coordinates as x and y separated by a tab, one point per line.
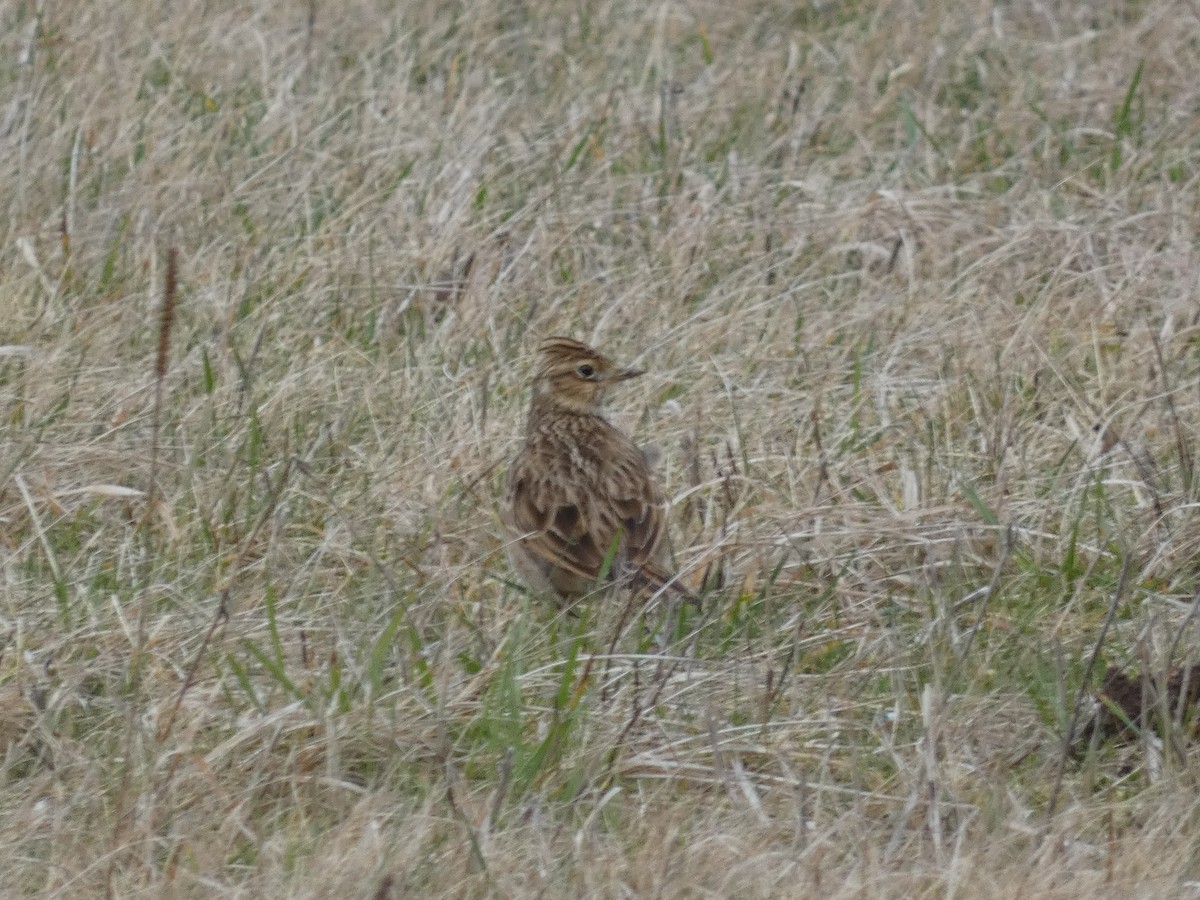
916	284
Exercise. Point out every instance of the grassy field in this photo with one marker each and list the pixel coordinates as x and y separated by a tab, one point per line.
916	286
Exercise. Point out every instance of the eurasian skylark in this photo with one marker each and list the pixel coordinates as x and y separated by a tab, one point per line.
580	488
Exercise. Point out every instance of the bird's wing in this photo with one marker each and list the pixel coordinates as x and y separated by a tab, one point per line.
636	506
571	524
628	500
551	519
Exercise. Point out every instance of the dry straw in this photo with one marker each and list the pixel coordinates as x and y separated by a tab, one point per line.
914	286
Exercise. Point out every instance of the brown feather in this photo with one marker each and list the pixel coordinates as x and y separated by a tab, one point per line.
579	485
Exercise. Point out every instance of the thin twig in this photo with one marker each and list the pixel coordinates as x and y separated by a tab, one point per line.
1069	737
988	593
166	320
220	617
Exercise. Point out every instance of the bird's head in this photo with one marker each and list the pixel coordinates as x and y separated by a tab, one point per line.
575	377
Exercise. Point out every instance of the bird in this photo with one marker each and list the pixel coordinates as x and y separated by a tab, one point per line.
580	492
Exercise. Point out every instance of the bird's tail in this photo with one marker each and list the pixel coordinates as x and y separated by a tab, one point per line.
651	577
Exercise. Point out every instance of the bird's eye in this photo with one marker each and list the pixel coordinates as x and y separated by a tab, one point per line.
586	371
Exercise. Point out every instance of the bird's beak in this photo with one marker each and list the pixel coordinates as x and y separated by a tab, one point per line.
626	374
